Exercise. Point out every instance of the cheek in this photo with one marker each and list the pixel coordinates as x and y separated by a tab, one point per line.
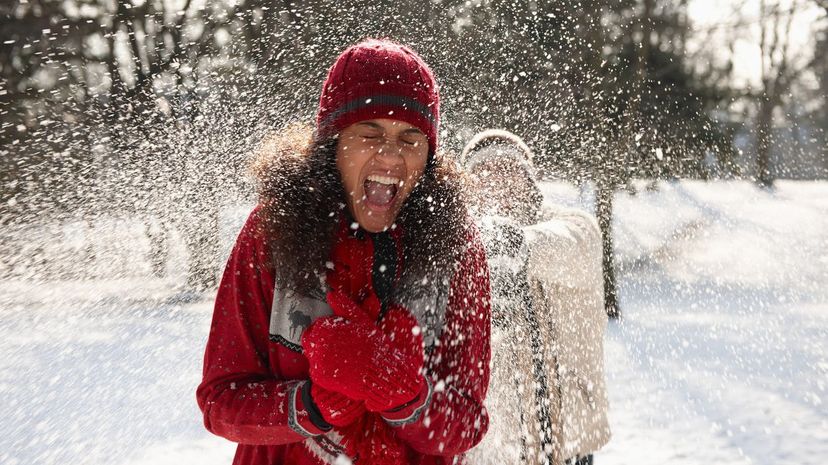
415	166
350	165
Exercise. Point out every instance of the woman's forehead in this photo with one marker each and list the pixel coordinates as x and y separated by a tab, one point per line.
386	124
498	167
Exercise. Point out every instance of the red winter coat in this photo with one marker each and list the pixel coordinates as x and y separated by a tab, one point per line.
254	368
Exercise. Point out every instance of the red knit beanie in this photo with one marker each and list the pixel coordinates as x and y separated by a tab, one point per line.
380	79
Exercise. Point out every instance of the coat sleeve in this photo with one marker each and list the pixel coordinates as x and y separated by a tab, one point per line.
452	418
565	249
241	399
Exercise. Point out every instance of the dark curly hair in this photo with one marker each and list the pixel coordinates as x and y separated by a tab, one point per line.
302	199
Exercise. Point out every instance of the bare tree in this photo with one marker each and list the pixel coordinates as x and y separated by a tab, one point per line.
781	66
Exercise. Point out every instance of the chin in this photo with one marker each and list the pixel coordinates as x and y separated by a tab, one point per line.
374	226
375	223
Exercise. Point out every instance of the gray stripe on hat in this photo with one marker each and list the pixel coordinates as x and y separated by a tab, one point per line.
383	99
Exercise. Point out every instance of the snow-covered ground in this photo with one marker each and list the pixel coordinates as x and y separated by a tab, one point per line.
720	357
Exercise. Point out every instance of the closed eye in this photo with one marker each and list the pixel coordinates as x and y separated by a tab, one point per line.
412	139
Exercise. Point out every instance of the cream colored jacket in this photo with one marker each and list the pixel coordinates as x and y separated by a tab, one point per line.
565	276
563	255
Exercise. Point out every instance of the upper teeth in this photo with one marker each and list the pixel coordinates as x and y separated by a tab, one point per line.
383	179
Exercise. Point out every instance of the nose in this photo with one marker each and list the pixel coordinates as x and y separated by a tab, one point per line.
390	152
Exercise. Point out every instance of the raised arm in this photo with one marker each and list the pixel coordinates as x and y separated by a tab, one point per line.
565	248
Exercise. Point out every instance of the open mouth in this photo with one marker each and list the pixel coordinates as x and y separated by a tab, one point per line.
381	191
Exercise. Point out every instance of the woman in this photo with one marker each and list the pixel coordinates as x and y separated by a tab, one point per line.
352	320
552	255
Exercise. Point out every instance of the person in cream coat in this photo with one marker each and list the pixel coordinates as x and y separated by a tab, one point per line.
548	400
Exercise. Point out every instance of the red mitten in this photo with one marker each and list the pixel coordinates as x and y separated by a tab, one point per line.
401	327
404	331
337	409
398	324
355	357
345	307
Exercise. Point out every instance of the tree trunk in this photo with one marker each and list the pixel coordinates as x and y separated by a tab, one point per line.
604	212
763	141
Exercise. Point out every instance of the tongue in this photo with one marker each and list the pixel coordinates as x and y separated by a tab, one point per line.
378	193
